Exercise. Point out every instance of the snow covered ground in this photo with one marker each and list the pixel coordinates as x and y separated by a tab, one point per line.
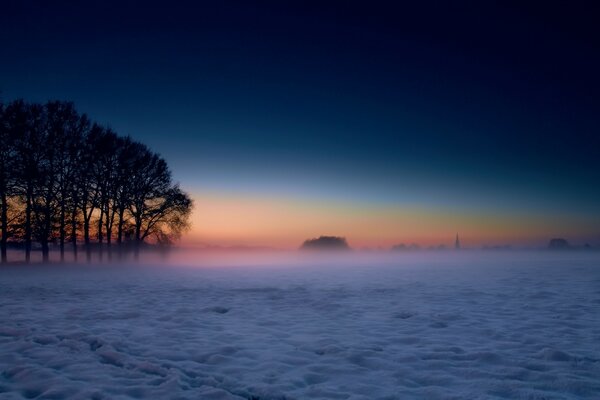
442	326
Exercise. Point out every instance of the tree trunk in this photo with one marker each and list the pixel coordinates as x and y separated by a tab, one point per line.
120	231
109	245
138	239
100	219
63	230
45	251
74	232
47	230
86	235
28	208
109	225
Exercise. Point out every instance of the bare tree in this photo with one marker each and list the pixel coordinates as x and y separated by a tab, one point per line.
26	123
126	162
69	127
7	157
168	217
59	172
159	209
104	171
87	185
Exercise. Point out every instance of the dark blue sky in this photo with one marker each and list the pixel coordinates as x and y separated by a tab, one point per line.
466	106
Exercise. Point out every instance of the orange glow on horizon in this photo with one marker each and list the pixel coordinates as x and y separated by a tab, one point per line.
248	220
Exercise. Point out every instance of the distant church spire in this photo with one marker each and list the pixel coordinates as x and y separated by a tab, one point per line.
457	243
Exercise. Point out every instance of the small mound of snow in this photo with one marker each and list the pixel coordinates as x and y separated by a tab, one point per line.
549	354
218	310
112	358
403	315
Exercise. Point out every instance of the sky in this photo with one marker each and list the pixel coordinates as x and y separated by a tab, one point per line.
384	122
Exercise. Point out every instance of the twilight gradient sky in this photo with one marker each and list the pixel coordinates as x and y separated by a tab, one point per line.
382	123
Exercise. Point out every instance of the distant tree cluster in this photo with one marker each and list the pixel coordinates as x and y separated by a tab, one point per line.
69	181
325	243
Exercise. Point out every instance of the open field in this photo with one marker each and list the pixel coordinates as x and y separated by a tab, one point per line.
492	326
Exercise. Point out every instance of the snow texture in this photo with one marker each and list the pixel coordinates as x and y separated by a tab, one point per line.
475	327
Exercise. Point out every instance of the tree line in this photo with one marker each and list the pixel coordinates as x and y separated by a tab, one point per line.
69	181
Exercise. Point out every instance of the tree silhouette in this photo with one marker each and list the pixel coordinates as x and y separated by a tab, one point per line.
7	156
64	178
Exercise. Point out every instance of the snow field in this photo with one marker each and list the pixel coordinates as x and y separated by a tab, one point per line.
510	327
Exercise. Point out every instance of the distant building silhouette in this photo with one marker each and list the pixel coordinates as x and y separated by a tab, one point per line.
457	243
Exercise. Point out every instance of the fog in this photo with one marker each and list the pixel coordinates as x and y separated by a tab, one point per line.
311	260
